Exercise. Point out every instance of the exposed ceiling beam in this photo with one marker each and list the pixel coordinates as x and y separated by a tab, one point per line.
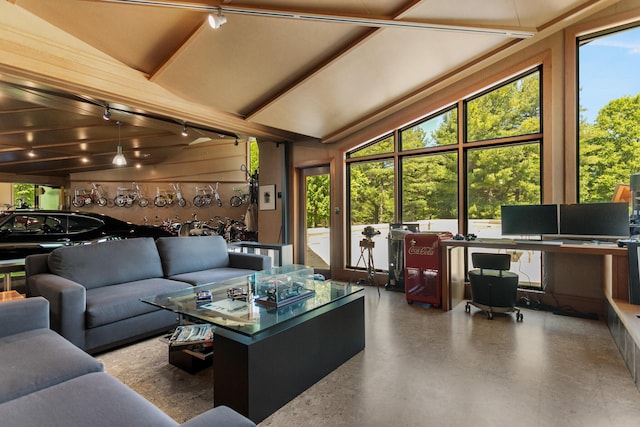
366	21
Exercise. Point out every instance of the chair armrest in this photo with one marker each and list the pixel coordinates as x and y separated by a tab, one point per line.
67	302
23	315
222	416
249	261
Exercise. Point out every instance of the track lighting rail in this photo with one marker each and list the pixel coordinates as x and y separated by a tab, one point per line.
514	32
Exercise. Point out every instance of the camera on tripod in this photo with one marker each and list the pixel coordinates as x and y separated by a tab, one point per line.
368	234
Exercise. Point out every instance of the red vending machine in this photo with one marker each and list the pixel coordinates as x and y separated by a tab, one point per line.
422	273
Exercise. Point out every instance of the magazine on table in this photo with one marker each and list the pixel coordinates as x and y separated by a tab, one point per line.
191	334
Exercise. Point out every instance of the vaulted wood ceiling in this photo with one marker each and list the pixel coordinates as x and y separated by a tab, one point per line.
316	70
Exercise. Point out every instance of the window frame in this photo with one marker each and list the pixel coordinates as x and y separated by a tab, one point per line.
580	39
461	148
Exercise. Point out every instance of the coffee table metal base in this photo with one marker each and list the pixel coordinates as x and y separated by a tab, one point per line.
258	375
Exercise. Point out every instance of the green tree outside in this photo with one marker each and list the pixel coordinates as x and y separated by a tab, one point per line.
609	149
372	192
318	203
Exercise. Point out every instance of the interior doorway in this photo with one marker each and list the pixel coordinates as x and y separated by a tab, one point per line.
316	218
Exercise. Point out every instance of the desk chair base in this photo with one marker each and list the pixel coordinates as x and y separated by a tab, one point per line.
489	310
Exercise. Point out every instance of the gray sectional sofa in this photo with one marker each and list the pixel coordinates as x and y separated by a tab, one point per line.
94	290
47	381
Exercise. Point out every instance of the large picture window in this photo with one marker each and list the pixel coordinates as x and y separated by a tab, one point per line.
430	191
609	112
505	175
508	111
372	204
417	174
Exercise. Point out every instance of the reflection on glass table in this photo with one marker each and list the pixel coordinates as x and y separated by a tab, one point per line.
234	304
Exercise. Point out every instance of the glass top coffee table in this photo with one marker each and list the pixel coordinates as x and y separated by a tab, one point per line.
277	333
250	305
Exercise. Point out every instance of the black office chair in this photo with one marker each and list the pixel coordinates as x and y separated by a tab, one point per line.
493	288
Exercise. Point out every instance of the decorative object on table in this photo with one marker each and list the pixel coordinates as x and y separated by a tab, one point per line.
284	293
284	285
203	297
238	294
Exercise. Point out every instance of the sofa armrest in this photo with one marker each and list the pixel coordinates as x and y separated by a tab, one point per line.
23	315
249	261
35	264
219	416
67	303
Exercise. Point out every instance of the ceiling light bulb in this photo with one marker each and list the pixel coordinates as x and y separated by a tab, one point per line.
184	131
107	113
217	21
119	159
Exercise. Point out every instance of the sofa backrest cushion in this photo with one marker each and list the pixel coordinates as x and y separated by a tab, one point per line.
107	263
187	254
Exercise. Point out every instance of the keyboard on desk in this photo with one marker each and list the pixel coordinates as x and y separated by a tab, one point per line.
494	240
574	242
506	241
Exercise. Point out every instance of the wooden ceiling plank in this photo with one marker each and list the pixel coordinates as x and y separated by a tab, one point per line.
176	53
348	47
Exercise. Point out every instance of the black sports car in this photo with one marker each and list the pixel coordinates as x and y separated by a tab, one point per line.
26	232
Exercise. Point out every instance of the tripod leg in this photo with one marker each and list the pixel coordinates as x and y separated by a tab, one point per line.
364	263
371	271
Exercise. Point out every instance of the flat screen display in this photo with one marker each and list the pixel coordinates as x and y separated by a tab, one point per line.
595	219
529	220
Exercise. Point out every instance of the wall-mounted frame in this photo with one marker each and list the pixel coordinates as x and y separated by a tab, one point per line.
267	200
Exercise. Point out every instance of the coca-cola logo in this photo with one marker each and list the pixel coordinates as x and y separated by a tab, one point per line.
423	250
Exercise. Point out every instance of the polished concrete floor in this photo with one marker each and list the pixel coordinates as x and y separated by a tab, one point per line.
424	367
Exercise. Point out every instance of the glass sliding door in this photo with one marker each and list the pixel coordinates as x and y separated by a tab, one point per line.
317	218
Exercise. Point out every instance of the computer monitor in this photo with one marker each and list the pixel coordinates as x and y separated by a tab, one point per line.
595	219
529	220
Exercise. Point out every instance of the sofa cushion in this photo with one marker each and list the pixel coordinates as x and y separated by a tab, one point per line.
107	263
37	359
112	303
214	275
94	400
188	254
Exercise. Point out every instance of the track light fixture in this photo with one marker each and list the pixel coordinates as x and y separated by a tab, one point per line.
107	113
185	132
119	159
217	21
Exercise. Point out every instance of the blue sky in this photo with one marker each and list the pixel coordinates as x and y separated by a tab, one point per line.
609	69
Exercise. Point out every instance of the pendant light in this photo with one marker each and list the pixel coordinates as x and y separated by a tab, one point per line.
119	159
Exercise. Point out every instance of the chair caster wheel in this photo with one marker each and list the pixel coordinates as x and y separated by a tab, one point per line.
519	317
489	315
467	308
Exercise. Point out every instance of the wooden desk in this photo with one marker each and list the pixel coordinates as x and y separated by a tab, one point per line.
10	266
615	280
